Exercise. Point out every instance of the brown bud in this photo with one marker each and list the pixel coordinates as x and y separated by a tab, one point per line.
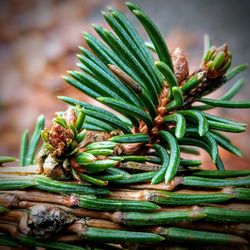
180	63
70	116
58	139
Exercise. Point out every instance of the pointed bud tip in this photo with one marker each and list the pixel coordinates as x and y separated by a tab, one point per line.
223	47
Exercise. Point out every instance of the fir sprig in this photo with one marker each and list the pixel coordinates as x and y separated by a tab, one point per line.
124	77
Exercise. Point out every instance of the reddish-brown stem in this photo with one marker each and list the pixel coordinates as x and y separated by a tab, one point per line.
37	196
12	216
67	238
8	228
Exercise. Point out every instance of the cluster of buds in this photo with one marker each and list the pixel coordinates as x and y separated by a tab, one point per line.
217	61
62	141
69	152
65	134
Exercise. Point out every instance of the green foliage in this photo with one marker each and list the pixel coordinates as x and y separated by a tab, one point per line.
124	77
5	158
28	147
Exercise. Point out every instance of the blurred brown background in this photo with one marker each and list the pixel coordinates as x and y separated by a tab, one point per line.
39	39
